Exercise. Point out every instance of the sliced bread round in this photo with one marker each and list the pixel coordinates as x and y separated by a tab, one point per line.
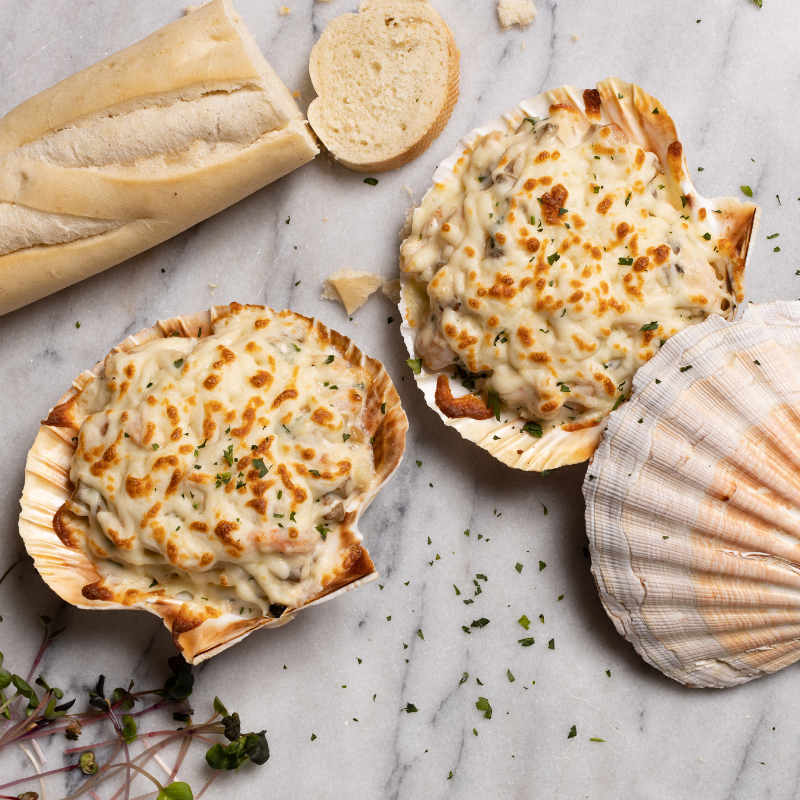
387	80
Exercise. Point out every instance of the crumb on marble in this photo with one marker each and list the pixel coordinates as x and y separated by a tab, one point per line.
516	12
522	46
324	219
575	37
284	11
392	290
351	287
296	94
408	190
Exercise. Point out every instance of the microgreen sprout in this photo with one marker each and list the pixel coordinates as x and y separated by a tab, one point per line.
30	713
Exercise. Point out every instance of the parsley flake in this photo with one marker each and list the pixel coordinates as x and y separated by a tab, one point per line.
484	705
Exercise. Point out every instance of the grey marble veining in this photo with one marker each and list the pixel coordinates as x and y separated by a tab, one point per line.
730	80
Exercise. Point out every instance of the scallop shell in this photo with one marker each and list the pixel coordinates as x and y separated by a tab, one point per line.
631	108
48	486
693	502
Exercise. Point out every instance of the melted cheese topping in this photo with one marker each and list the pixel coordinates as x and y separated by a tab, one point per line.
222	469
551	274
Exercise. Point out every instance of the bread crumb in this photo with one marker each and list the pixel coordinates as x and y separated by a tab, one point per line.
409	221
284	11
392	290
522	46
324	219
408	190
296	95
351	287
516	12
575	37
213	285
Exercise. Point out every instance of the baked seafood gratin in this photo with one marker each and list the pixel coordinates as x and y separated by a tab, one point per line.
557	250
212	470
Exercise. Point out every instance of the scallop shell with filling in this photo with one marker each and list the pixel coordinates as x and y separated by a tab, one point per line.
67	570
501	429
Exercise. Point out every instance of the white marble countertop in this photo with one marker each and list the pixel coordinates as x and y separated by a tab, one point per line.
730	80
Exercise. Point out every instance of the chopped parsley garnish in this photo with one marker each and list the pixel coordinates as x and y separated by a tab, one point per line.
746	190
479	623
503	340
773	236
551	645
626	262
562	211
227	454
178	364
383	408
415	364
542	565
314	472
628	198
533	429
221	478
374	182
323	532
484	705
511	678
683	369
518	567
564	387
524	621
345	437
573	732
527	642
258	463
494	403
553	258
652	326
410	707
155	447
329	360
707	236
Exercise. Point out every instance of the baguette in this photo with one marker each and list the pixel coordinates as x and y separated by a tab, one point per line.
387	80
137	148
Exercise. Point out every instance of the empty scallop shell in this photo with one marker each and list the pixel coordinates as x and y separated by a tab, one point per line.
630	107
693	502
48	486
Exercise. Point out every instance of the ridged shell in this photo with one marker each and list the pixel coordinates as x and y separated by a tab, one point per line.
48	486
693	502
630	107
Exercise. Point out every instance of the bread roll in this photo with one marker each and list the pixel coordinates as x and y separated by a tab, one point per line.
138	147
387	80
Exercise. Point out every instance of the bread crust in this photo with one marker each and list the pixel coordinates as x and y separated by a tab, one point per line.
426	136
207	51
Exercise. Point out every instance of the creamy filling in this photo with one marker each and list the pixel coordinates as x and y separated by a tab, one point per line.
549	274
222	469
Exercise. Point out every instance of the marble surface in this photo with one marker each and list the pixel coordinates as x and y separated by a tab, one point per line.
730	79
